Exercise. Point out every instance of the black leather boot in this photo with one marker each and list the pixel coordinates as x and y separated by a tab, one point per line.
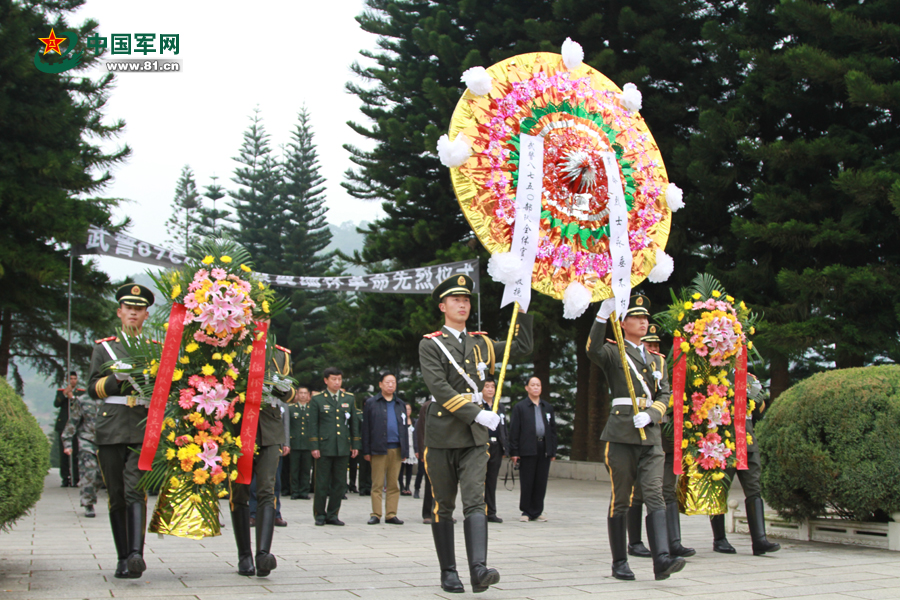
443	545
476	530
265	530
635	546
135	518
616	527
673	524
756	520
240	522
658	536
720	542
118	523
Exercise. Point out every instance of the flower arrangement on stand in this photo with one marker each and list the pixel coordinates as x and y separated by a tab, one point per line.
711	331
220	304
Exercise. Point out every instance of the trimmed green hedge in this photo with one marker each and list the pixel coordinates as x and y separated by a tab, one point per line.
24	457
831	444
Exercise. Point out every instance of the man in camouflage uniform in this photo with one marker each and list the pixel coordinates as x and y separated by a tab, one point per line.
82	425
454	365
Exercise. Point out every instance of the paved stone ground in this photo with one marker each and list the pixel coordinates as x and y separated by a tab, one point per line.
56	552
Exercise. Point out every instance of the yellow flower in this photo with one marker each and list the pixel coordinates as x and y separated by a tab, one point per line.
698	382
671	401
232	373
689	459
241	397
727	434
687	305
729	298
170	453
684	443
752	405
226	459
265	306
208	260
261	285
176	291
177	374
195	498
718	475
752	330
245	268
730	393
677	333
154	369
208	370
743	306
713	380
248	349
693	367
217	356
225	259
192	347
696	296
680	316
228	357
237	440
223	493
174	482
233	475
200	476
237	417
716	293
166	326
184	360
688	425
749	345
749	439
685	347
226	437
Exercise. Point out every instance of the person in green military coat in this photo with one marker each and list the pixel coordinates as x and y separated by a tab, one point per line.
119	430
334	434
749	477
629	459
454	365
301	448
270	440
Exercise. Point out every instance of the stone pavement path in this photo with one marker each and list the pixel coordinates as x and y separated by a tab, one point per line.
55	552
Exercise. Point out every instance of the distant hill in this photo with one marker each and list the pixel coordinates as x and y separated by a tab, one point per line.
347	239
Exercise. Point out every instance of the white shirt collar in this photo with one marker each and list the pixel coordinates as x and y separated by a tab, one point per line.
456	333
639	347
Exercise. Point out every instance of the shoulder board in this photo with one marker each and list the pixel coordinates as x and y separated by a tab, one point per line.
656	353
609	341
109	339
156	341
283	349
478	333
60	389
432	335
80	390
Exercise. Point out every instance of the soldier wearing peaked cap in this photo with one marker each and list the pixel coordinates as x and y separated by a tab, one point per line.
673	519
455	364
119	429
629	459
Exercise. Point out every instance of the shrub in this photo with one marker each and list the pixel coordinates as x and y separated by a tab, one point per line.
831	444
24	457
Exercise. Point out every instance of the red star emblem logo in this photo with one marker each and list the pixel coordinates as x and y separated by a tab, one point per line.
51	44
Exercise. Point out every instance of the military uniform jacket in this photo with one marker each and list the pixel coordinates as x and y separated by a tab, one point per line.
298	414
83	423
271	430
620	426
62	403
450	421
334	424
116	423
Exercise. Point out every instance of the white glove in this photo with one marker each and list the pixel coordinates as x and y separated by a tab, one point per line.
606	308
641	420
488	418
123	366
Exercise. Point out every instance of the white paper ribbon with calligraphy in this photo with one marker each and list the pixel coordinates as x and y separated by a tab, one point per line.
618	235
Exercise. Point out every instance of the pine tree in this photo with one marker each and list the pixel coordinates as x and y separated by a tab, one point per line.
259	215
306	237
182	225
213	222
52	169
805	156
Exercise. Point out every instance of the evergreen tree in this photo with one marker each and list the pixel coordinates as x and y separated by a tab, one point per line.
213	222
182	226
306	237
259	215
806	156
51	168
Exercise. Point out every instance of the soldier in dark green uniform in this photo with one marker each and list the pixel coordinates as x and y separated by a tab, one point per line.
457	427
301	449
334	434
750	483
120	431
68	463
673	517
269	441
81	433
629	459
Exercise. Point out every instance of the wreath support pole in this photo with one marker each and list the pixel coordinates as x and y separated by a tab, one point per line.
509	337
620	342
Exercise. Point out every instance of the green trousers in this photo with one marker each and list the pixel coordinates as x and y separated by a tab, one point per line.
265	466
630	464
119	467
331	485
301	472
670	481
452	469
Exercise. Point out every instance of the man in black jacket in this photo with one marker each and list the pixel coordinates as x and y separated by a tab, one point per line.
68	463
498	447
385	441
532	442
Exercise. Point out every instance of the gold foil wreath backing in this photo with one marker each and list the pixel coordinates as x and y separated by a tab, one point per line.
177	514
699	494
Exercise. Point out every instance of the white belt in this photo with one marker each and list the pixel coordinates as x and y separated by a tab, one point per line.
749	417
641	402
127	401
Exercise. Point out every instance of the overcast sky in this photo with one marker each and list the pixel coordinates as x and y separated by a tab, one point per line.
277	55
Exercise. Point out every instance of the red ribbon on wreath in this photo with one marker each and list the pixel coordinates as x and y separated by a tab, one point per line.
252	401
157	412
740	409
679	372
